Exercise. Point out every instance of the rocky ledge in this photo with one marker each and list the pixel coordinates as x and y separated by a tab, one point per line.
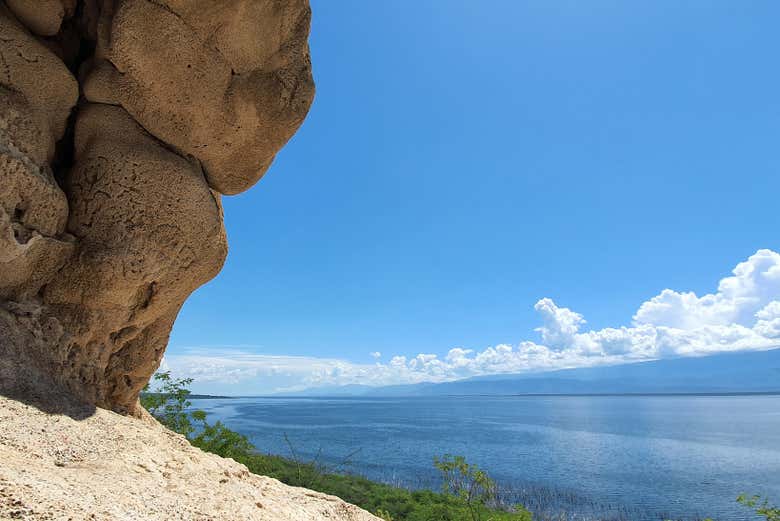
63	461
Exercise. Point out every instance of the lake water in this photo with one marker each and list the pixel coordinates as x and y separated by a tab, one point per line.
595	457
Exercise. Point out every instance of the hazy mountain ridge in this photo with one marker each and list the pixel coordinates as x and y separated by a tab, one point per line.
725	373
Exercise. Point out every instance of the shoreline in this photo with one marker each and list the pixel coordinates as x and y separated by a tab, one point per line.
522	395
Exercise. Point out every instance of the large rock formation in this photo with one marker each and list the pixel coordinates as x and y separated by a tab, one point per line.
110	211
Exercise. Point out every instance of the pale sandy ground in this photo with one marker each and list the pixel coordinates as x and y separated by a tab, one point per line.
75	463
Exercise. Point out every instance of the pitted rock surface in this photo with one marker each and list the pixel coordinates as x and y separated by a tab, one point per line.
37	93
226	82
110	185
43	17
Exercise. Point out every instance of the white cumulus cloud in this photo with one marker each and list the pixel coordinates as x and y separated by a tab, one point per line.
754	285
743	314
560	324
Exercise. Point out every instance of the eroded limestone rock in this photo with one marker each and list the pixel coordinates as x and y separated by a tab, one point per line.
33	209
37	93
149	232
182	100
42	17
30	69
237	77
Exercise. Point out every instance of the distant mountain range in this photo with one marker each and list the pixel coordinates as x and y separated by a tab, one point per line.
752	372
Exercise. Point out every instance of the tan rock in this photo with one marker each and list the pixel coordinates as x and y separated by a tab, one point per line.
65	465
42	17
184	99
37	93
29	68
33	209
150	232
226	82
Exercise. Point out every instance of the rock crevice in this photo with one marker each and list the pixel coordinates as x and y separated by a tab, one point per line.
122	122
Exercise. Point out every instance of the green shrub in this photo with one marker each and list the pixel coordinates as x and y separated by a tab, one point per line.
467	482
384	515
760	506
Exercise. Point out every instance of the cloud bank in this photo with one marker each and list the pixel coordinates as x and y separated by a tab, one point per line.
743	314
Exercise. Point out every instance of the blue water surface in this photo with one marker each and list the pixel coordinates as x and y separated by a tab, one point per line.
594	457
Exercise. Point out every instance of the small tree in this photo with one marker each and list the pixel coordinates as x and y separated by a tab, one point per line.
467	482
168	401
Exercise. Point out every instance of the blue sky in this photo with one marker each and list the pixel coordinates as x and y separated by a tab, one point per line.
463	161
